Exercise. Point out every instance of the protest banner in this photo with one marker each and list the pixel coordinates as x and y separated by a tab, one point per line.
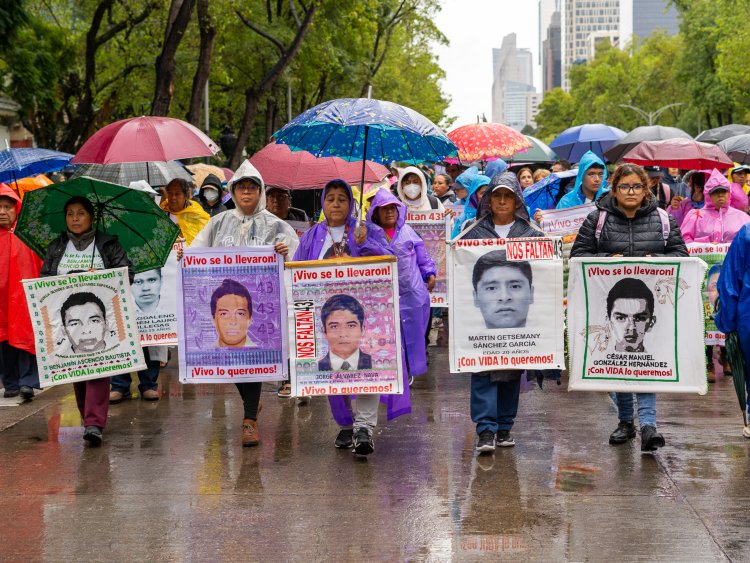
84	325
713	255
230	311
432	227
156	302
506	304
565	221
344	326
636	325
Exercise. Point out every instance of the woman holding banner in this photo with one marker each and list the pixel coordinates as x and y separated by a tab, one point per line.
248	224
494	394
629	223
81	244
338	236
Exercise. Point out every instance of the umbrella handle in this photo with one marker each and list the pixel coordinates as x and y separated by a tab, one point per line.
362	183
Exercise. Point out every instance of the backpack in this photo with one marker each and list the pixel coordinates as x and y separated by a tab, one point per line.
434	202
666	227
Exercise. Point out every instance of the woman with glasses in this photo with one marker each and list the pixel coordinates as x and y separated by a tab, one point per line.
633	227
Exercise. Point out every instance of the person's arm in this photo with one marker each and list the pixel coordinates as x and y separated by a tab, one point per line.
730	283
203	238
49	258
688	226
586	243
426	264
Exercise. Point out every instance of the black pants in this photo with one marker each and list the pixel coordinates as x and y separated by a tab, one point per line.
250	393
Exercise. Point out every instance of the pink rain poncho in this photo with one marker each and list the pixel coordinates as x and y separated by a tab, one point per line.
711	224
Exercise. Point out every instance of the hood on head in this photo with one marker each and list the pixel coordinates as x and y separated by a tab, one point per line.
495	167
351	198
588	160
509	180
465	177
7	191
399	187
247	170
715	179
476	183
213	181
383	198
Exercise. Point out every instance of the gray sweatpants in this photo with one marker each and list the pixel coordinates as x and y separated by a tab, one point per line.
364	412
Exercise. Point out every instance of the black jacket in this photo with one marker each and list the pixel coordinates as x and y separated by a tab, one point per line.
640	236
112	253
365	362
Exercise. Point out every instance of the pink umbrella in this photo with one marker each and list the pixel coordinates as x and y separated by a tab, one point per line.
145	139
299	170
487	141
686	154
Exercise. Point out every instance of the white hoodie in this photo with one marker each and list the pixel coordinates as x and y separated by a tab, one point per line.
421	204
234	228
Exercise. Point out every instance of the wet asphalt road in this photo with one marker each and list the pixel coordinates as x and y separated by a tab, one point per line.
171	482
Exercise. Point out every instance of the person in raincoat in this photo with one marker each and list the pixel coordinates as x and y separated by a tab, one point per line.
388	233
633	226
209	196
441	187
18	368
494	394
717	221
477	189
248	224
463	183
680	207
591	182
334	237
187	214
738	178
412	190
734	299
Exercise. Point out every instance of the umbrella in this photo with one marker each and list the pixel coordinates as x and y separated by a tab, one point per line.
366	129
573	143
25	185
640	134
296	170
678	153
21	163
122	173
737	148
546	193
487	141
721	133
737	362
145	139
227	174
144	231
538	153
200	171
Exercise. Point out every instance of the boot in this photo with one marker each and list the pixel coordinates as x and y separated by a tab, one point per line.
624	432
250	436
651	440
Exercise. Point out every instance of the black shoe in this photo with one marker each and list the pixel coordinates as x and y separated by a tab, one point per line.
651	440
27	393
625	431
93	435
363	444
486	441
344	439
504	439
11	393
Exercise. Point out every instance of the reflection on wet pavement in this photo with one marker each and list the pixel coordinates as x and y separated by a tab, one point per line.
171	482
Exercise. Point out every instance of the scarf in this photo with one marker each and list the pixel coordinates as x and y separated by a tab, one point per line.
82	242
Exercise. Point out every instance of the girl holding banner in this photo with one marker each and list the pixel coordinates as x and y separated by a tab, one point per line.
628	222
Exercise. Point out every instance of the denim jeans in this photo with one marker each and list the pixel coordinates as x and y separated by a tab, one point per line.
646	407
17	367
493	405
146	377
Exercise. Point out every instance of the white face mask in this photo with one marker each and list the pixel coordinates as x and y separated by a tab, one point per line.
211	195
412	191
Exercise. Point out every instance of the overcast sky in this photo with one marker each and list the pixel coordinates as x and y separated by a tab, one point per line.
474	27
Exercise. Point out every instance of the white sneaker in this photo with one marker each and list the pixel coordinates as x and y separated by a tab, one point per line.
746	431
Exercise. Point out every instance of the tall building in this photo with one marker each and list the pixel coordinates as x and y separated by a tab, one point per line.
551	54
643	17
581	19
512	70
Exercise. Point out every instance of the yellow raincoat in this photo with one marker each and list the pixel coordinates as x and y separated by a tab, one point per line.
190	220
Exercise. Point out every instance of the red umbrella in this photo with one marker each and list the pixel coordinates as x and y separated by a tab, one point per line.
686	154
145	139
299	170
487	141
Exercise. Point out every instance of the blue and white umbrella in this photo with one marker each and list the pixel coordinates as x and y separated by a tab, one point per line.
22	163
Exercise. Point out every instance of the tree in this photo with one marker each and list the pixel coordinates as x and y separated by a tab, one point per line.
179	17
556	113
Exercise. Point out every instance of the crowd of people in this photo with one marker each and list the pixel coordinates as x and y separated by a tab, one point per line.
637	212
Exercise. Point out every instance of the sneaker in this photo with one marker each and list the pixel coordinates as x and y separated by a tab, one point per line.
363	444
746	431
344	439
625	431
26	392
486	441
116	397
150	395
250	436
10	393
651	440
93	435
285	391
504	439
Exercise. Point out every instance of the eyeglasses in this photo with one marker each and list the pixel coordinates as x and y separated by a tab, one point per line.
595	174
246	188
627	188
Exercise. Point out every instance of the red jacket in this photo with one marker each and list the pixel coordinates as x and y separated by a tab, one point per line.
17	262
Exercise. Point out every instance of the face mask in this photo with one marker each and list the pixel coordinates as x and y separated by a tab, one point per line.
412	191
211	195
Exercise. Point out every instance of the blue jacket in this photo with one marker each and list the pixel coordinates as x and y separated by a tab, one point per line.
575	196
472	203
734	292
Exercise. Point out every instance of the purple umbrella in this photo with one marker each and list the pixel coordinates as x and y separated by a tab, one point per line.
573	143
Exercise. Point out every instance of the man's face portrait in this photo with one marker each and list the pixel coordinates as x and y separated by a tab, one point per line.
343	332
503	294
85	327
147	289
630	321
232	319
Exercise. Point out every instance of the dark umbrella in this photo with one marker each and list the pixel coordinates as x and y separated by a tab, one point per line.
737	148
155	173
640	134
724	132
737	362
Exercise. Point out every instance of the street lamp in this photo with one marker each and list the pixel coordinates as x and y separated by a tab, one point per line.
653	115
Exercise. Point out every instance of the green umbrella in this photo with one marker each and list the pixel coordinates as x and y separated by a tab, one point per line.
539	152
737	362
143	229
